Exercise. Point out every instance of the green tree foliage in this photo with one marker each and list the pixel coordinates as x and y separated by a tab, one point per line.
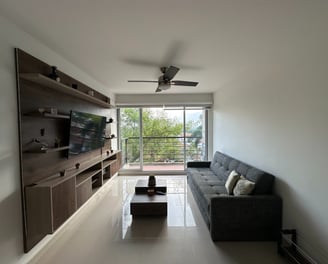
156	126
162	135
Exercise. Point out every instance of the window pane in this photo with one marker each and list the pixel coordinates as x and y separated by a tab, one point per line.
195	134
163	143
130	137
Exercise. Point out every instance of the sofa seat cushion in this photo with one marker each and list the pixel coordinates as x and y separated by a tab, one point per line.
200	180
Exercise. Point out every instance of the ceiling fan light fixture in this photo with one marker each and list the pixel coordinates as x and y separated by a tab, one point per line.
164	86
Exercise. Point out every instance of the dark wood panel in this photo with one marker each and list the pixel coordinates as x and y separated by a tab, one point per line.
83	192
30	64
64	202
38	214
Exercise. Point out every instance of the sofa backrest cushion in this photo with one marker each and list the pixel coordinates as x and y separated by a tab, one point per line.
222	165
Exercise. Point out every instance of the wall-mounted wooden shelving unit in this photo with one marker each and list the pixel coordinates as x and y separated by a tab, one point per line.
55	185
62	88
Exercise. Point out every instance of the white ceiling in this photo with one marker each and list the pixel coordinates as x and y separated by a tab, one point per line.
212	41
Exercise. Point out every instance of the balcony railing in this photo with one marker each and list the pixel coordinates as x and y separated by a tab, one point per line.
163	151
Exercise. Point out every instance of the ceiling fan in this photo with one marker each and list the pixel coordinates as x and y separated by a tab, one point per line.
166	80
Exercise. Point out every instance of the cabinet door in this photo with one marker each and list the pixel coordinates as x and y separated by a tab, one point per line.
38	214
113	168
47	208
63	202
83	192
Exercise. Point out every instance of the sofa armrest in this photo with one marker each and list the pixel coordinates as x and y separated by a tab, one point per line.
198	164
249	217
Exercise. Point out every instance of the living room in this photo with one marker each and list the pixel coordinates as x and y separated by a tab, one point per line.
269	96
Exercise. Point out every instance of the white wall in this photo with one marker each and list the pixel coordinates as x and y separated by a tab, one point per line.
11	233
164	99
275	116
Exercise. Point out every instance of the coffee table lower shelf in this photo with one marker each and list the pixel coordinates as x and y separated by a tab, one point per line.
145	205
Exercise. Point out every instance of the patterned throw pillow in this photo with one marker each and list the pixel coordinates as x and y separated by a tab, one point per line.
243	186
231	181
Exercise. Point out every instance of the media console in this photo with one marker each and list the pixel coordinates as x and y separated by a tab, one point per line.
54	184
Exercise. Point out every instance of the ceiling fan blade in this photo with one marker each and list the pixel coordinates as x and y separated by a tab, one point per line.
158	89
184	83
142	81
170	73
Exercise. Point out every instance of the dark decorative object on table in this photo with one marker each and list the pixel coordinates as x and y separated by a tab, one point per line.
62	173
151	180
151	191
77	165
54	75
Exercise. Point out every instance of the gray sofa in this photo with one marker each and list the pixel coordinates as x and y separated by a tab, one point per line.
235	218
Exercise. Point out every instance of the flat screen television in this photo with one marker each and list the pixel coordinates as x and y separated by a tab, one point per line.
87	132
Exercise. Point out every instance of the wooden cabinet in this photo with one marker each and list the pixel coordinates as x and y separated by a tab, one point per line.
49	204
54	185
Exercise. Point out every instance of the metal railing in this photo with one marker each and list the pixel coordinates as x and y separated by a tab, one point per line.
160	150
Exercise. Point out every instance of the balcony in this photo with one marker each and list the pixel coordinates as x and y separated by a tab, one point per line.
161	153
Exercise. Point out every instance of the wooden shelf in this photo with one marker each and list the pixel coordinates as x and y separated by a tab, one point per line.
81	178
46	150
85	166
107	163
53	181
104	156
60	87
47	115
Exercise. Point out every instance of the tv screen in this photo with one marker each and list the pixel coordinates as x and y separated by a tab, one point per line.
87	132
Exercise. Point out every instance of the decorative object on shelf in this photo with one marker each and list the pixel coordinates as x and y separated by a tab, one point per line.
77	166
49	110
107	152
54	75
111	151
151	181
62	173
36	145
74	85
91	93
110	120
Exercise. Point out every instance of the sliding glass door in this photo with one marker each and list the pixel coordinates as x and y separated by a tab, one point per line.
129	137
163	139
170	136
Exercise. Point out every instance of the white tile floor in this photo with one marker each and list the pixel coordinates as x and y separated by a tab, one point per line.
103	231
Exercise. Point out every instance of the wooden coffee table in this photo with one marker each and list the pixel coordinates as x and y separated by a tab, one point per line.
143	204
